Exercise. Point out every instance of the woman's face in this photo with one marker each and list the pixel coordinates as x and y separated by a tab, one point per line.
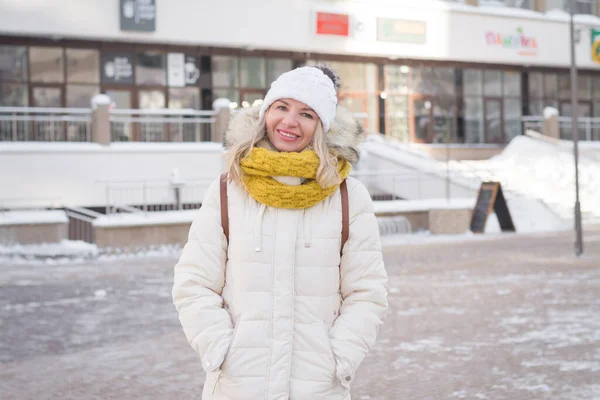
291	125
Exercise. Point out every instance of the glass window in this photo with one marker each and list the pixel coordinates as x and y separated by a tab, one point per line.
46	64
596	87
81	95
536	85
422	80
512	83
276	67
584	85
472	82
184	98
396	78
550	85
397	113
254	72
473	109
151	69
512	118
13	63
527	4
564	86
231	94
225	71
352	75
536	107
47	97
13	95
492	82
83	66
444	81
152	99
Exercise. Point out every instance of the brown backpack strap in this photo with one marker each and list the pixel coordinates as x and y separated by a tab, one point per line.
224	207
345	215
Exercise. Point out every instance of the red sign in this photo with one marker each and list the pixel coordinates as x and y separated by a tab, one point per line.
333	24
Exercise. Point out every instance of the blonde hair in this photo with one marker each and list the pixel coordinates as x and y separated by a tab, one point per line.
327	174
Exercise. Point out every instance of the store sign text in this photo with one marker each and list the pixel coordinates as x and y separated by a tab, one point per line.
333	24
524	45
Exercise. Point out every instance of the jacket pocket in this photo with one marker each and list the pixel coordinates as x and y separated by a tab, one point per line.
237	322
329	346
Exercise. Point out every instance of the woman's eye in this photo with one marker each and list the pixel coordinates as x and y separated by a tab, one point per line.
307	115
282	108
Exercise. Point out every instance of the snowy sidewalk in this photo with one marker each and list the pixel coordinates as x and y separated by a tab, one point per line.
515	318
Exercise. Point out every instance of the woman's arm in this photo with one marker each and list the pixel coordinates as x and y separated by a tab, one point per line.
198	284
363	287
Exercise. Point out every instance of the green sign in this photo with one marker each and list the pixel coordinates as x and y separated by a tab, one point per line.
401	31
595	34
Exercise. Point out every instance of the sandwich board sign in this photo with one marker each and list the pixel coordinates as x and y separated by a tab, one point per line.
490	198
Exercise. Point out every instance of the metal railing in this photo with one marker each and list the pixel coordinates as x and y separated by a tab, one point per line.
162	125
45	124
588	127
153	195
81	224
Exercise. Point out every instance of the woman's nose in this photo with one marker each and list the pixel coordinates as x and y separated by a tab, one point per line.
290	120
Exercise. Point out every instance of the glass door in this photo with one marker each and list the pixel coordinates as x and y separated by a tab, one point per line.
585	129
493	121
121	130
421	119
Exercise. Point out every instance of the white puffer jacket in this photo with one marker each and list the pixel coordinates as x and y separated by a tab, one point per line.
276	315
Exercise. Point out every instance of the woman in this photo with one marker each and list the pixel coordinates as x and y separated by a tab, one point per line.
272	309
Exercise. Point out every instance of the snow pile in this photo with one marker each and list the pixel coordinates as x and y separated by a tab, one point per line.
28	217
74	252
546	171
146	218
65	251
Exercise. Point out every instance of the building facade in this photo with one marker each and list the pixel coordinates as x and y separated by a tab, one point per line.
421	71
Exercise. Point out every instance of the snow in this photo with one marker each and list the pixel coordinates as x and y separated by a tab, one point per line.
66	248
77	252
30	217
146	218
550	112
422	205
538	169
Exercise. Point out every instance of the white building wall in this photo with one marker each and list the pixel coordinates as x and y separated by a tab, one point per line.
454	32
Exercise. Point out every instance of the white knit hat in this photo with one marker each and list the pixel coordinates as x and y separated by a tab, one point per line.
308	85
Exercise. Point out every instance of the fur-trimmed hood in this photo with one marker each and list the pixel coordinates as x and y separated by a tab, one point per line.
343	139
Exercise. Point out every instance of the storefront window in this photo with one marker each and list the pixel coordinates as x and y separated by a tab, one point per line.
536	85
13	95
512	83
231	94
151	99
512	118
253	71
397	117
184	98
151	69
584	85
47	97
46	64
473	117
276	67
564	86
81	95
492	81
13	63
83	66
396	78
225	71
472	82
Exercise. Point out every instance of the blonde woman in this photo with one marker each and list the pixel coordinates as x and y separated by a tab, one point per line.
272	307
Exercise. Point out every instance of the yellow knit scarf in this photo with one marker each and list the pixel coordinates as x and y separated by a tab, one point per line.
261	165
